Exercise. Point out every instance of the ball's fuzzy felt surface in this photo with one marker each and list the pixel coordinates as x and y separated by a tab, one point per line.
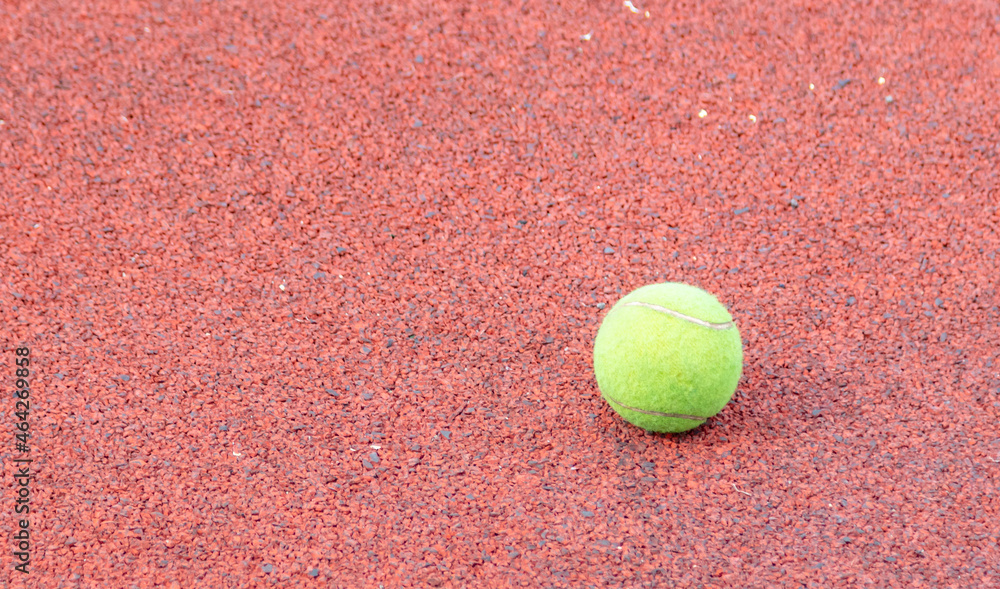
667	357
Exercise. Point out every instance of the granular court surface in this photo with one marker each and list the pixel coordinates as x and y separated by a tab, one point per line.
310	291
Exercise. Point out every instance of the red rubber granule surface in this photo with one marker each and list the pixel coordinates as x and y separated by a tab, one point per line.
311	289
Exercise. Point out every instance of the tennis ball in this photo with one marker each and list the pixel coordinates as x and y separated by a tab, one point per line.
667	357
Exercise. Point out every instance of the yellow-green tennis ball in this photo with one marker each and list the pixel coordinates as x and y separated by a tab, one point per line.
667	357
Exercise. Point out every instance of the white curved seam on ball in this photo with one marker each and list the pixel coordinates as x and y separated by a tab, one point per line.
656	413
681	316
